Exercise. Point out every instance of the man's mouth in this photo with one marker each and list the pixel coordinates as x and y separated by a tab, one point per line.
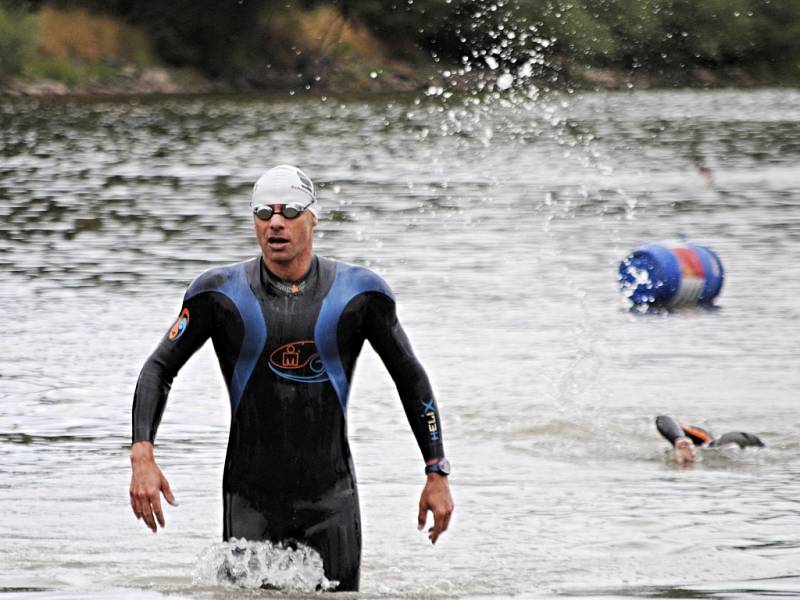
277	242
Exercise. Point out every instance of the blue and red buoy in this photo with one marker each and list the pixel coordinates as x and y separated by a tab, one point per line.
669	275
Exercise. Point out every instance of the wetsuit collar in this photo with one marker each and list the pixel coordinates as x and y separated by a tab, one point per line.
288	287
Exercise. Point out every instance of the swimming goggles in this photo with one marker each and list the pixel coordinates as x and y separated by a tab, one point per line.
287	211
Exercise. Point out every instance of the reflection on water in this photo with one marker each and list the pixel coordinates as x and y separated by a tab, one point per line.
500	229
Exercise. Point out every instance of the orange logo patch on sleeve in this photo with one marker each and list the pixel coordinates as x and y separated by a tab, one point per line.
180	325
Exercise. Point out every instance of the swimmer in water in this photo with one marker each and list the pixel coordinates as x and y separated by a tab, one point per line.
685	438
708	176
287	327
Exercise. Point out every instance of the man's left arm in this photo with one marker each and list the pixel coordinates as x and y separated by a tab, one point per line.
384	332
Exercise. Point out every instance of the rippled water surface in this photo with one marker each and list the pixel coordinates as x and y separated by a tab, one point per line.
499	227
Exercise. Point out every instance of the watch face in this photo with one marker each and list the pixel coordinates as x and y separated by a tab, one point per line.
444	466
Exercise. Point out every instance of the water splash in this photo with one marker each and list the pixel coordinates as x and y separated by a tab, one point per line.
262	565
636	282
503	66
509	89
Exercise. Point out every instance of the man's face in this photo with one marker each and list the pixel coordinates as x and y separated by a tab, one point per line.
285	240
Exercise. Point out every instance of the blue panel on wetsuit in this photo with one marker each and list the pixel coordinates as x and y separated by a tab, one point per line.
232	282
350	281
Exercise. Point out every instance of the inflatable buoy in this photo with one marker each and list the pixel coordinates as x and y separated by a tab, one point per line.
671	275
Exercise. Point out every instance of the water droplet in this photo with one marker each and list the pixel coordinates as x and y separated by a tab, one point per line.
505	81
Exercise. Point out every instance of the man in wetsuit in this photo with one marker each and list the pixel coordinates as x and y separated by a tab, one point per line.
684	438
287	328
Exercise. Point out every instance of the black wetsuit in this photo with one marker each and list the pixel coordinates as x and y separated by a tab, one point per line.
672	430
287	352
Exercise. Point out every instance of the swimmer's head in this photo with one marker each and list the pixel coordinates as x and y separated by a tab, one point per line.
287	185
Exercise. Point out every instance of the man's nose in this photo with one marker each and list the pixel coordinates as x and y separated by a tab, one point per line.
277	221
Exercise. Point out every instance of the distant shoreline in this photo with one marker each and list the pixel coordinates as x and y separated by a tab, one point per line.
80	51
403	78
118	48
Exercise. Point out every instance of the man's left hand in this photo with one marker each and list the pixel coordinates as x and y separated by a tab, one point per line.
435	498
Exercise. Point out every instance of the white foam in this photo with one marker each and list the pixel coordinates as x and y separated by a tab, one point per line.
254	565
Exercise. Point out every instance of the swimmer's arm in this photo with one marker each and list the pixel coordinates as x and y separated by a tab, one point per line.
384	332
387	337
161	367
673	432
148	483
669	428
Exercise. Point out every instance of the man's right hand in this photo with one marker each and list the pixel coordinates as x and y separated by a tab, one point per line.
684	451
147	485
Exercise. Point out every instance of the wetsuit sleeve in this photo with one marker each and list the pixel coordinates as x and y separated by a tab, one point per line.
192	328
386	335
669	428
698	435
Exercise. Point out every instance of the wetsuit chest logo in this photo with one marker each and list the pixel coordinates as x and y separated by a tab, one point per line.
298	361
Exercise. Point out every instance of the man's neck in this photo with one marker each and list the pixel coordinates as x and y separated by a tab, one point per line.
294	271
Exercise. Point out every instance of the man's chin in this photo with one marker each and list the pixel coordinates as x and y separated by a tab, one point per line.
280	258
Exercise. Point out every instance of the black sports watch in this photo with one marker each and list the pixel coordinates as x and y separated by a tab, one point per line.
441	467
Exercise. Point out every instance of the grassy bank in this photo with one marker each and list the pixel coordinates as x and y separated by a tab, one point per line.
74	51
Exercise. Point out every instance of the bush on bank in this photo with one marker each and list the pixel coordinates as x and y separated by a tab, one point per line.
71	46
19	36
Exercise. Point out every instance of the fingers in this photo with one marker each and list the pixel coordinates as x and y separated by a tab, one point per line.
157	512
446	523
133	505
435	498
140	503
143	510
422	516
441	520
147	515
168	495
146	502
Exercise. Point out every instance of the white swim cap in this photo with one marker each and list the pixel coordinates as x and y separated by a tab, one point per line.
285	184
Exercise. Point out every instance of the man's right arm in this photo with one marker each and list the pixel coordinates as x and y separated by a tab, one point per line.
669	428
191	329
674	433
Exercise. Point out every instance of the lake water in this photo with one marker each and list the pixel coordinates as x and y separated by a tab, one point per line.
499	226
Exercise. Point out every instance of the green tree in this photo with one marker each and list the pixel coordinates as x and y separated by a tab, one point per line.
708	33
19	36
213	35
776	32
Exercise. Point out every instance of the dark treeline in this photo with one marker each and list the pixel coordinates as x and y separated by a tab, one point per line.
652	35
226	38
